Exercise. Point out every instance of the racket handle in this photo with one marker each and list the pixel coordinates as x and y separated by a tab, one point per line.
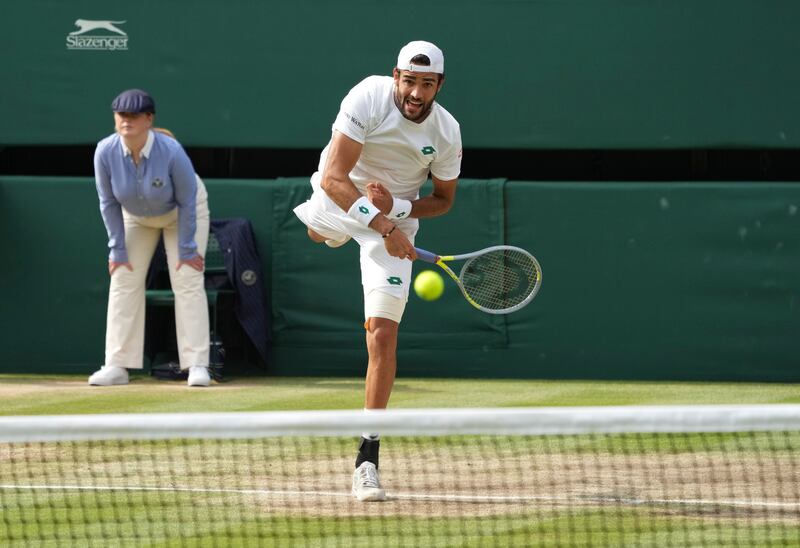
426	256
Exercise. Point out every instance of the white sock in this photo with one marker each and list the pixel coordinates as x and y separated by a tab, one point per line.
371	436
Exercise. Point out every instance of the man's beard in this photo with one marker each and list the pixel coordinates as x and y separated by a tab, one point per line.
423	113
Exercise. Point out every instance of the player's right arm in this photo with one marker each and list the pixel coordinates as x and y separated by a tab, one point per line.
343	153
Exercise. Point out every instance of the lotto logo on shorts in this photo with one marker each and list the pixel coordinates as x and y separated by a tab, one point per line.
428	150
394	280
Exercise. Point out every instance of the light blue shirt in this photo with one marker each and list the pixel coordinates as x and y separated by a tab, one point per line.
163	180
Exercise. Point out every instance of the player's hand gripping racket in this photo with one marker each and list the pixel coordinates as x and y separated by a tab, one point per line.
498	280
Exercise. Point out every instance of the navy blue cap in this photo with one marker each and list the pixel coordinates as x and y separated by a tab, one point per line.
133	100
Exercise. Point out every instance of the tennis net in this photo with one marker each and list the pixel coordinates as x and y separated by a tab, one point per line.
589	476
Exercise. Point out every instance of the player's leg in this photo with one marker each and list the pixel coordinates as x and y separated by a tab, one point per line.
126	305
315	236
381	370
324	220
382	349
191	304
385	282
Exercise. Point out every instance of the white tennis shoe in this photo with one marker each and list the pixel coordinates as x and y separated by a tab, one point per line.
367	483
337	243
109	375
198	376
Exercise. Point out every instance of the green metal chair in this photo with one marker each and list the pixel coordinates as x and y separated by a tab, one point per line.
214	269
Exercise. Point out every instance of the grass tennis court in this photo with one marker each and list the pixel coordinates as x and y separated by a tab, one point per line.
294	492
70	394
648	490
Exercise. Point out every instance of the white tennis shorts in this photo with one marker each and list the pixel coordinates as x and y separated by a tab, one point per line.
379	270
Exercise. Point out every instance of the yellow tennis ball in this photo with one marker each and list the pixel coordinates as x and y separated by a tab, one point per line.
429	285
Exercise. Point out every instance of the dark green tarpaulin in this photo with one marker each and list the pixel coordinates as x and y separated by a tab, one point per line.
520	74
641	281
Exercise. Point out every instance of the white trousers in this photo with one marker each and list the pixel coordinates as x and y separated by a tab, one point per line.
126	296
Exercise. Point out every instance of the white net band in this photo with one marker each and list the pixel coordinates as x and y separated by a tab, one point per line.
431	422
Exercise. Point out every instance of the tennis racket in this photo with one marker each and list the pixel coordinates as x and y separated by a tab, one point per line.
498	280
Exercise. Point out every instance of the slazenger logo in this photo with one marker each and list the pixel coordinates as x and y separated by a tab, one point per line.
81	39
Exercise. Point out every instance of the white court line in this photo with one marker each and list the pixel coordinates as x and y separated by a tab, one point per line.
498	499
172	489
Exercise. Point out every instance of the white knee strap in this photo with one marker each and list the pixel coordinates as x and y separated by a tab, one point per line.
378	304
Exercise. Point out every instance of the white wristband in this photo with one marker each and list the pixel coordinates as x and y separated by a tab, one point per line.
400	209
363	211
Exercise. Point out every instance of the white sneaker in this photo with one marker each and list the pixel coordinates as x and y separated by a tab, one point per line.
198	376
109	375
367	484
337	243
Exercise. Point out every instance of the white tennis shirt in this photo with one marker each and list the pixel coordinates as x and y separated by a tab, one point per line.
397	152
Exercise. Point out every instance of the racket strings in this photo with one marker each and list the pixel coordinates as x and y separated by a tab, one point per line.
500	279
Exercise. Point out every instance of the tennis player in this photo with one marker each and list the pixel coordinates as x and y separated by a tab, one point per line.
389	136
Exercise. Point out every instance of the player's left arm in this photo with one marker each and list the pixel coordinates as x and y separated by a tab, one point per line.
444	173
437	202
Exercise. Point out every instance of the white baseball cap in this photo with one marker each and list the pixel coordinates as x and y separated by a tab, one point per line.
420	47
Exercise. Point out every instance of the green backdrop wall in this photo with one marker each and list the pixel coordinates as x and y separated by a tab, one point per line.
641	281
520	74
